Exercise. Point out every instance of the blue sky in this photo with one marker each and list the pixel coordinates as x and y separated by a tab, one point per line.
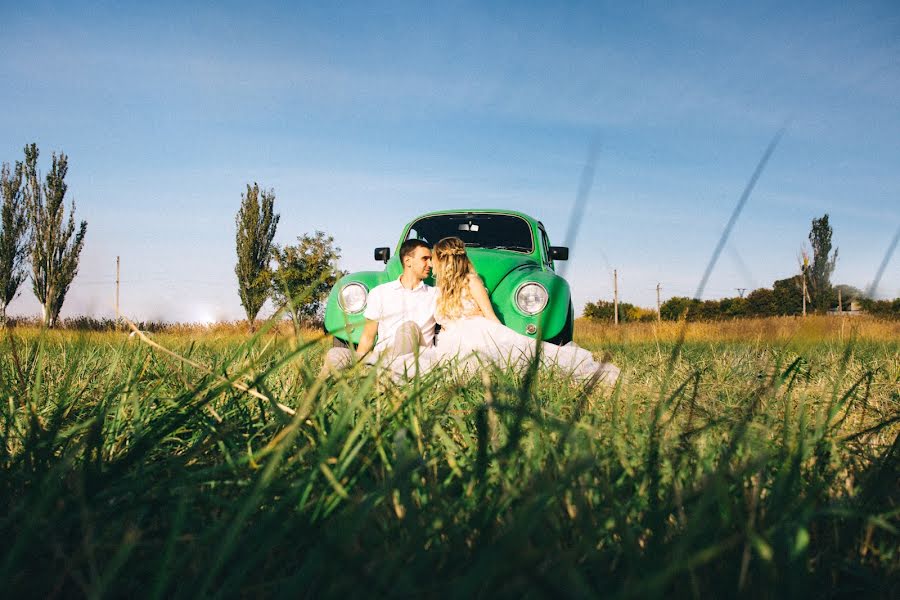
361	117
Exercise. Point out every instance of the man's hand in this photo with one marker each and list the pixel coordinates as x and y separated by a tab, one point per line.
367	340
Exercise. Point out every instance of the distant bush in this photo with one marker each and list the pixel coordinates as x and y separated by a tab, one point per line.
761	303
673	308
885	309
785	298
603	310
85	323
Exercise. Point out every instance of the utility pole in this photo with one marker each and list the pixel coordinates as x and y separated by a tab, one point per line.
803	276
658	305
616	296
741	291
840	304
804	294
117	293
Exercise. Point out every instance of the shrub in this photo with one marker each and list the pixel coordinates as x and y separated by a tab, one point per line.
885	309
602	310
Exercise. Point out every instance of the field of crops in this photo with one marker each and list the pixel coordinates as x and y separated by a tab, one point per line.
755	458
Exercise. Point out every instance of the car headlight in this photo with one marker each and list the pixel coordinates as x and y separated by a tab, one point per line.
531	298
352	297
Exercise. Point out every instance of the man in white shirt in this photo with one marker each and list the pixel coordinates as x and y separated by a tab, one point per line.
399	312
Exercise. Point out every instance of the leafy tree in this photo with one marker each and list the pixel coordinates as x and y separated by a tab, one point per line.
603	310
785	298
256	223
819	272
761	303
733	308
675	307
305	274
884	309
55	245
788	296
13	236
706	310
637	313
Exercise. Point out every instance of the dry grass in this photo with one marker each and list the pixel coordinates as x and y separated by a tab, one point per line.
771	330
224	331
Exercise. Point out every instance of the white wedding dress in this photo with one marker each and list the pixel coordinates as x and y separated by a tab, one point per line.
472	342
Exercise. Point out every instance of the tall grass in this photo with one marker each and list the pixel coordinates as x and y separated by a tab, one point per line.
761	331
770	468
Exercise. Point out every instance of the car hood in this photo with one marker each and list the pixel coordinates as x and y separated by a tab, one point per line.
494	265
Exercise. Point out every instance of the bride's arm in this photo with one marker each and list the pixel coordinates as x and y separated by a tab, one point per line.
480	295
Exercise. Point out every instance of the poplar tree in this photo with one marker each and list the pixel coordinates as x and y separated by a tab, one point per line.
819	272
256	224
13	236
56	243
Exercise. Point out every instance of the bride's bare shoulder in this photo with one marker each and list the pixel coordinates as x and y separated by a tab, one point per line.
476	286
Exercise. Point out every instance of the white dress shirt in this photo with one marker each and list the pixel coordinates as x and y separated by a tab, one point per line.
391	305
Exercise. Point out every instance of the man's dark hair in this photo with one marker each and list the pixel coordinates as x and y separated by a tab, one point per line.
409	246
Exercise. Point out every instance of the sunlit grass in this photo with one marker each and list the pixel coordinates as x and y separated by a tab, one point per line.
770	467
764	331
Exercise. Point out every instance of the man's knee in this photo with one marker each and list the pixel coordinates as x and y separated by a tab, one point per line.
409	328
407	339
337	359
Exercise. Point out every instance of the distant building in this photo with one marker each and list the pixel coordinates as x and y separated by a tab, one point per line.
855	309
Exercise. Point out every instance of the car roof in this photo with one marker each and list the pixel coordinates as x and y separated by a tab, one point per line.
492	211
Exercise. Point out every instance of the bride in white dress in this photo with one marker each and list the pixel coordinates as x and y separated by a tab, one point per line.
472	335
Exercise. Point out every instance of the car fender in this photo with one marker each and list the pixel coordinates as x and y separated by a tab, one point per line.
549	322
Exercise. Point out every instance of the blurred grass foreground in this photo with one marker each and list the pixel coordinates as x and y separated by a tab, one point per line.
760	459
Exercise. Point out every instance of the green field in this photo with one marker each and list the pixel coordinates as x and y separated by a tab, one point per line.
756	458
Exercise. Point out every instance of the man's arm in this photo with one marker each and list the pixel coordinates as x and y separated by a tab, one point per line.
373	313
367	340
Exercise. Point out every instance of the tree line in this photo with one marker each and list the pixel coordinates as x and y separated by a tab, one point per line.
810	290
41	241
297	278
783	299
37	239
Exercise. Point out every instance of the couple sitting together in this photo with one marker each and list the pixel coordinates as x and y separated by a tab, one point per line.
403	314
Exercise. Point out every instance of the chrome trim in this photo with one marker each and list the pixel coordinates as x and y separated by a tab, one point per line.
516	295
340	300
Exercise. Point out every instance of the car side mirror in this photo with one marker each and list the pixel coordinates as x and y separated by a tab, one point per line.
383	254
559	253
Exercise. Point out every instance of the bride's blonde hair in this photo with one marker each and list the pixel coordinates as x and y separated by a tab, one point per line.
451	268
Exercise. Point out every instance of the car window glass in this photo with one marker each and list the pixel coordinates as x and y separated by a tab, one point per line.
477	230
546	243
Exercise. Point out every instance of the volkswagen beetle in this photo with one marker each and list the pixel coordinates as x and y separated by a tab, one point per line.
510	251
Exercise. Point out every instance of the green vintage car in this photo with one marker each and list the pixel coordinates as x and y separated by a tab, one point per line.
510	251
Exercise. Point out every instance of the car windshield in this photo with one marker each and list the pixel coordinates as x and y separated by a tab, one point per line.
477	230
